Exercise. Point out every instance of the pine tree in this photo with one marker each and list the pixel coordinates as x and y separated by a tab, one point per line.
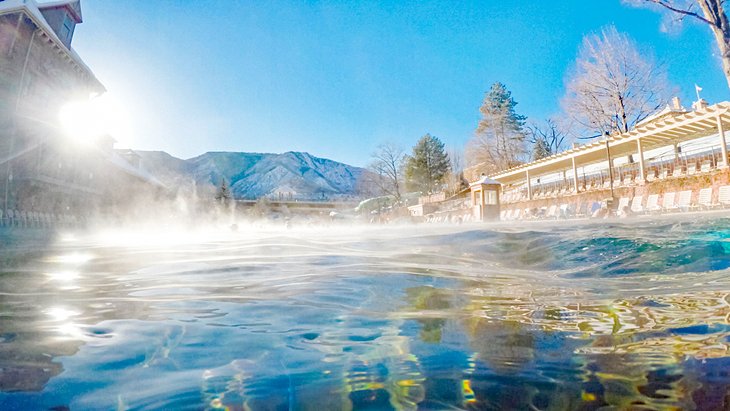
499	141
427	167
541	149
223	194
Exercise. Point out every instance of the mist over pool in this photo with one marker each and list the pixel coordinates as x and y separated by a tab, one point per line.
554	316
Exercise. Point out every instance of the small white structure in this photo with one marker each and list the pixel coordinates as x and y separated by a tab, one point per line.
485	198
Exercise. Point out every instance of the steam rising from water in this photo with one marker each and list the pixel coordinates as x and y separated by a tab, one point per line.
268	317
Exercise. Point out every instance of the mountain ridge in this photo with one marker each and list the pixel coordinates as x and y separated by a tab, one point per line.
293	174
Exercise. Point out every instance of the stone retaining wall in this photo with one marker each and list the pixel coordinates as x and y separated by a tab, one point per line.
714	179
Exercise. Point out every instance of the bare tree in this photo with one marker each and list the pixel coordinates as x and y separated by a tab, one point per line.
499	141
613	85
386	169
455	180
546	138
711	12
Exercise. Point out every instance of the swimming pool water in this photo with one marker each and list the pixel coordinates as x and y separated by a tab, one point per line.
545	317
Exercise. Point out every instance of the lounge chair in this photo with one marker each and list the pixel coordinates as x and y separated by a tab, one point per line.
540	212
668	203
595	207
552	212
652	203
723	196
684	202
565	211
704	200
706	166
622	202
636	205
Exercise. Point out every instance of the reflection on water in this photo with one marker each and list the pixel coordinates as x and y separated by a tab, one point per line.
551	318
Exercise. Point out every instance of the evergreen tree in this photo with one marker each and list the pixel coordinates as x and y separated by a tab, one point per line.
223	194
499	141
541	149
427	167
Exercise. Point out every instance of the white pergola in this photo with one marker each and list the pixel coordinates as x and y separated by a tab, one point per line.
670	129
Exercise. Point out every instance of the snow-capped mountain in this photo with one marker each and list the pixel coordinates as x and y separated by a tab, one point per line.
291	175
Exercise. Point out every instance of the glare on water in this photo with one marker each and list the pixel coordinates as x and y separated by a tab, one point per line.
347	317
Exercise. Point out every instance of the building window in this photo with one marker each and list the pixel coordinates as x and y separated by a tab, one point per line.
491	197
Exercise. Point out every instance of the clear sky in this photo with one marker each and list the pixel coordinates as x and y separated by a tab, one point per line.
335	78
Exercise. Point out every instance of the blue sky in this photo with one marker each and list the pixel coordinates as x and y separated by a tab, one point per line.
335	78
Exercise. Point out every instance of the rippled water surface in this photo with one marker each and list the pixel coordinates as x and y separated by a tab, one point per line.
545	317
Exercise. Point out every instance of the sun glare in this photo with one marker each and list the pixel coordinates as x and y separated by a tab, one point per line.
85	120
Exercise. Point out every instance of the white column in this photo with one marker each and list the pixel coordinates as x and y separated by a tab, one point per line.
676	151
723	143
575	174
642	167
529	186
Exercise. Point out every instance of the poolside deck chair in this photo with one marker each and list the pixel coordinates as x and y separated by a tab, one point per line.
652	203
668	203
622	202
582	209
636	204
684	202
706	166
552	212
595	206
628	180
704	200
723	196
564	211
651	174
